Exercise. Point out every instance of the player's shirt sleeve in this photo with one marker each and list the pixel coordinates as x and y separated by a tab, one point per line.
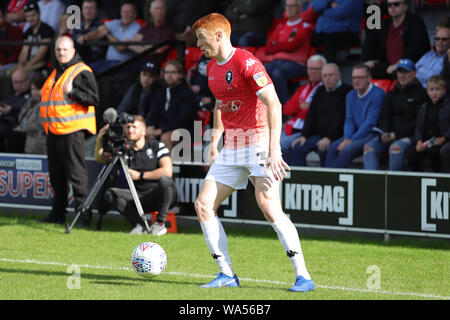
258	78
163	151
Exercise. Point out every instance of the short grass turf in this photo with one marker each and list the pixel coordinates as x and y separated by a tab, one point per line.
39	261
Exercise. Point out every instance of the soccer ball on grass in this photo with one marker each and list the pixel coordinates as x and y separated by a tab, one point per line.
149	259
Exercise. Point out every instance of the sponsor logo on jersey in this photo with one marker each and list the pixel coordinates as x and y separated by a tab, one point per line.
230	106
260	79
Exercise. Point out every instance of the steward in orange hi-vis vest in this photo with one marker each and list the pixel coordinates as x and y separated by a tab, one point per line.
60	114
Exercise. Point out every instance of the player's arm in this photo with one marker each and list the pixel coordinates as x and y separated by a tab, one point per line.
275	161
217	132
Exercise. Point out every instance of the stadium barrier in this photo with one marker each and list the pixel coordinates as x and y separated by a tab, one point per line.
377	202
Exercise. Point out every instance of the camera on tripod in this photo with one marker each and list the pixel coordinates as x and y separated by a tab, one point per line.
115	140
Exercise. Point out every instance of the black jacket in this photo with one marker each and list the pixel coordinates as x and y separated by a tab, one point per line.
445	73
85	90
415	40
137	101
400	107
425	128
326	113
180	112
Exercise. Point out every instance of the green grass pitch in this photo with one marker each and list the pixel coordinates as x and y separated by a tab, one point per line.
39	261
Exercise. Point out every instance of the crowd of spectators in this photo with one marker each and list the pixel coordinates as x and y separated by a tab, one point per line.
297	40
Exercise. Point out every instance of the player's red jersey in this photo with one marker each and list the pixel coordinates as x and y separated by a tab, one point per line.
236	84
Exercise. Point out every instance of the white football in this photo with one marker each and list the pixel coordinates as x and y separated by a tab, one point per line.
149	259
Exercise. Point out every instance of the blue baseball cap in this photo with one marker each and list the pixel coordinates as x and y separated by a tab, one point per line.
406	64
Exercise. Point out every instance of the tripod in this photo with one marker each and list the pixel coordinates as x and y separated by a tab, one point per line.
101	178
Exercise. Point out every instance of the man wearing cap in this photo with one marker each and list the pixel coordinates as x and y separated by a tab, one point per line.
35	58
397	120
138	97
68	100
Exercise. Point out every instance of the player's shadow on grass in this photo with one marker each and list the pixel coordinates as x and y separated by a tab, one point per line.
95	278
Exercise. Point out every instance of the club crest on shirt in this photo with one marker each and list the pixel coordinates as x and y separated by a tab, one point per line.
229	77
260	79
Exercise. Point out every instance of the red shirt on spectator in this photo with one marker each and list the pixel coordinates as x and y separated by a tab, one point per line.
10	54
292	107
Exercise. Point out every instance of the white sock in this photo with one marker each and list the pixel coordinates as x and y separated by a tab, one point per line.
288	236
217	243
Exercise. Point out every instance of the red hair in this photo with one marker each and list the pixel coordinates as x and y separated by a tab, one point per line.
213	22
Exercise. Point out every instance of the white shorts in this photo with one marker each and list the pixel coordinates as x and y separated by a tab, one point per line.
234	167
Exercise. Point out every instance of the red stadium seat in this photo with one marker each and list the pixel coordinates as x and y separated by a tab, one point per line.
384	84
392	85
205	117
171	55
191	57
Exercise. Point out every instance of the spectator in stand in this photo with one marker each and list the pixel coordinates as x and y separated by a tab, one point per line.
433	129
183	13
35	58
287	49
89	22
30	122
397	120
362	110
14	12
338	25
198	82
51	11
8	54
325	118
432	62
297	106
11	141
173	107
403	35
138	98
157	31
123	29
251	19
444	23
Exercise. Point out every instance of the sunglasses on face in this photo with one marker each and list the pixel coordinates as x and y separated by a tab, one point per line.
394	4
440	39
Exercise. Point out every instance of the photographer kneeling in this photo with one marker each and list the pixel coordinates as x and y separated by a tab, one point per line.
150	167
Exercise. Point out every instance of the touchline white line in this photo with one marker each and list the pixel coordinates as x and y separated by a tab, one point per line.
339	288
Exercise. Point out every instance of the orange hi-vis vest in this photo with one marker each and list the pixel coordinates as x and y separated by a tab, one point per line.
60	114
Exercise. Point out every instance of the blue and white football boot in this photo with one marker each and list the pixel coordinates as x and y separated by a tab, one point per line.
222	281
302	285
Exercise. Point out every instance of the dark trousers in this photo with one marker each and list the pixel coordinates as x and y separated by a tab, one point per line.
160	199
66	165
415	159
333	42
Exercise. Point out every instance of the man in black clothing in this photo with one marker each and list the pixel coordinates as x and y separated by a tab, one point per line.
66	122
35	58
172	107
150	167
403	35
11	141
89	22
138	97
325	118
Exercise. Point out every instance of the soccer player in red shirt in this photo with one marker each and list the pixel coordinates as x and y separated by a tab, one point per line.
248	111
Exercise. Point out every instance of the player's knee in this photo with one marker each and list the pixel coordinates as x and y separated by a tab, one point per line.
202	208
367	149
395	148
